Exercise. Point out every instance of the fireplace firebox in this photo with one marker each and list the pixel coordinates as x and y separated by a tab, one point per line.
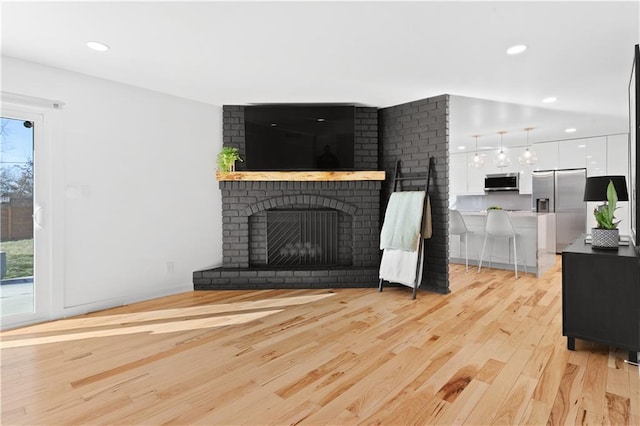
302	237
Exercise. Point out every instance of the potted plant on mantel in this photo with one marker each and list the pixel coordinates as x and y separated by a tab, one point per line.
227	159
606	235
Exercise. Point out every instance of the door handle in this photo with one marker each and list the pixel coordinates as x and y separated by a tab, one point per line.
37	216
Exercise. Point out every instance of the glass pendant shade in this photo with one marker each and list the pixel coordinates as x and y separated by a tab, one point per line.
477	161
528	157
502	159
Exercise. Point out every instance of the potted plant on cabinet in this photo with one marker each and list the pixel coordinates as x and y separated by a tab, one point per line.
606	235
227	159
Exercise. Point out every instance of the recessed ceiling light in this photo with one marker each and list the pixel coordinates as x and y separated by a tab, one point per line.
570	130
96	45
514	50
320	119
462	147
549	100
273	124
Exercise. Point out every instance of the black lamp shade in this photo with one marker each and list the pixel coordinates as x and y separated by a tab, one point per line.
596	188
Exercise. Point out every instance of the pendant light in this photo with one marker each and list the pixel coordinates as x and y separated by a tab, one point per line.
501	160
528	157
477	161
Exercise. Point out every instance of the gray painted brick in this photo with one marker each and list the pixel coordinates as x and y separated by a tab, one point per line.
363	249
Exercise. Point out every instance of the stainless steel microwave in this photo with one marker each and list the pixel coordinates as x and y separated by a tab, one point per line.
502	182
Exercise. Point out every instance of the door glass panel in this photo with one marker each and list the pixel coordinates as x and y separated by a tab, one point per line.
16	230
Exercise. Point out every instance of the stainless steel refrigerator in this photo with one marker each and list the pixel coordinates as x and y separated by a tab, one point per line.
562	192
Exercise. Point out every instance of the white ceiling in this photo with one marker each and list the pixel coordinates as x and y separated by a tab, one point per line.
370	53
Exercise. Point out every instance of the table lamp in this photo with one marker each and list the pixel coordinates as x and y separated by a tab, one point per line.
595	189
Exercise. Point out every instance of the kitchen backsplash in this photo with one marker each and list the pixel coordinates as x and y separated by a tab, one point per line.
506	200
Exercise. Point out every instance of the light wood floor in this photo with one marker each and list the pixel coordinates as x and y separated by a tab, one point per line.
491	352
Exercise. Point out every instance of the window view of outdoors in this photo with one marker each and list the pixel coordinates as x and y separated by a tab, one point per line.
16	231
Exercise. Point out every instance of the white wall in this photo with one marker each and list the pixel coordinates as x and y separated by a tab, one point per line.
133	187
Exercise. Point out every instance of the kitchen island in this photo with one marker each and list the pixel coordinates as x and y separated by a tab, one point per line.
537	240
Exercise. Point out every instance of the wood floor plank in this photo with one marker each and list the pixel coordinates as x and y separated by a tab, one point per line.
617	409
515	404
490	352
458	410
549	380
537	413
498	391
565	406
593	397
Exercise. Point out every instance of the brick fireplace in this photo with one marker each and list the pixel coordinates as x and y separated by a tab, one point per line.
245	206
410	132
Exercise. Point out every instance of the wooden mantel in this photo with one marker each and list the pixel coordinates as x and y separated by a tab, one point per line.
302	176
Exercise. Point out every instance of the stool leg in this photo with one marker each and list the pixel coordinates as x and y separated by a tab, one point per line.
493	243
484	245
515	257
524	258
466	251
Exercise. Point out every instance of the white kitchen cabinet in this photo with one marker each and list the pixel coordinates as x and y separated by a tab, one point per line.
547	156
475	177
458	173
596	156
525	180
572	154
465	179
489	166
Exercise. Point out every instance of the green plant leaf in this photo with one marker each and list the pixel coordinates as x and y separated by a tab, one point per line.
227	156
612	198
605	213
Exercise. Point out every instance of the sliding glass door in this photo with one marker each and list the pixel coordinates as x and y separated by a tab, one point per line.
24	262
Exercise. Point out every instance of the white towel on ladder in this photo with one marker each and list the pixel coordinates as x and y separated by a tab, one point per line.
399	266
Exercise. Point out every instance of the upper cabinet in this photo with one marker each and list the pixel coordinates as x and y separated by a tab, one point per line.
458	173
475	181
618	155
571	154
526	182
463	178
547	156
596	156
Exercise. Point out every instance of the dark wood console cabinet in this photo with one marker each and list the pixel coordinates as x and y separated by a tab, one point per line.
601	296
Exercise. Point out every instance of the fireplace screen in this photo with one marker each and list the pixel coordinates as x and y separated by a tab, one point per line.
302	237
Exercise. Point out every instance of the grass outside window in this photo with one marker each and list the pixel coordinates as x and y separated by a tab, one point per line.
19	258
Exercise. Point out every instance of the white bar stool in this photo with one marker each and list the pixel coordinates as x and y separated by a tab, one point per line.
499	225
457	226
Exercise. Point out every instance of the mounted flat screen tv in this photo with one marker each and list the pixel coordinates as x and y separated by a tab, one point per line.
299	137
634	146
